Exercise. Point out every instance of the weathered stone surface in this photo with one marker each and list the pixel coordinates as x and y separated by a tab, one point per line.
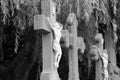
42	24
75	45
109	45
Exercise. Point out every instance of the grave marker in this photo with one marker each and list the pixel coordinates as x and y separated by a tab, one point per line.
112	66
42	24
74	43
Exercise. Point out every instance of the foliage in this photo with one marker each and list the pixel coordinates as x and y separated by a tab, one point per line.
20	9
83	9
21	13
17	16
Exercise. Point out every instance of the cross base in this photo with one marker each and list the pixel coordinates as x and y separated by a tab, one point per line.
52	75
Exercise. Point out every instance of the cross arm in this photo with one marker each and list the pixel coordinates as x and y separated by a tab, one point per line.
79	42
41	23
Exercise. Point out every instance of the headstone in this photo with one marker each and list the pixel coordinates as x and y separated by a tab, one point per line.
112	68
102	62
99	44
109	45
42	24
69	42
75	43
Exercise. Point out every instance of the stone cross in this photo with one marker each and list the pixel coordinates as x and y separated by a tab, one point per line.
42	24
101	66
112	66
102	61
74	43
95	56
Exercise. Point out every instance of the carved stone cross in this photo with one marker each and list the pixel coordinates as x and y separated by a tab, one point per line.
114	71
42	24
112	67
73	42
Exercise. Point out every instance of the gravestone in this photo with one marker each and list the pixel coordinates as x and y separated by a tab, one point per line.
42	24
113	70
102	61
99	64
74	43
109	45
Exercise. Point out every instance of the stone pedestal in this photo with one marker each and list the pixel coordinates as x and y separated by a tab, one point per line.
51	75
